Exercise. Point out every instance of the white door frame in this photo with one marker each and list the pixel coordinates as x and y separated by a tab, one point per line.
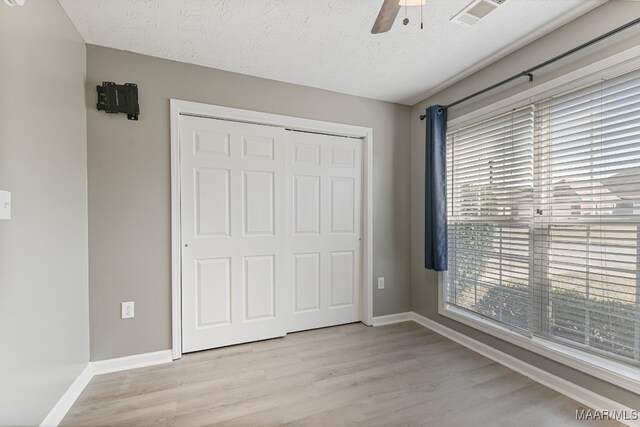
179	107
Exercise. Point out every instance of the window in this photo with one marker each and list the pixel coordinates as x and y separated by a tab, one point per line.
544	219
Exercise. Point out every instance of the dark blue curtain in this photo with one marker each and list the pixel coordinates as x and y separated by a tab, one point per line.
435	207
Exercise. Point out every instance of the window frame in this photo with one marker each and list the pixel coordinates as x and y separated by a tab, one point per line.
610	370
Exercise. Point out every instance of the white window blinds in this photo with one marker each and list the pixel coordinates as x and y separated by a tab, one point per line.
490	199
544	218
586	240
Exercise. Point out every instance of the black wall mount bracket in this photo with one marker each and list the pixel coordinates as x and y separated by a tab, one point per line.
113	99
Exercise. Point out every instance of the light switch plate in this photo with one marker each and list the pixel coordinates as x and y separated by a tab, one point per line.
5	205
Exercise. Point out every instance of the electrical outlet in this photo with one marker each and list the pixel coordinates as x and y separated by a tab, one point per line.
5	205
380	282
127	310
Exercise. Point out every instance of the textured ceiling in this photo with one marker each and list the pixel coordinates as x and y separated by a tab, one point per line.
322	43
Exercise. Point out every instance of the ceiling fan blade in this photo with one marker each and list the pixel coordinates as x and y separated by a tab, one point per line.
386	17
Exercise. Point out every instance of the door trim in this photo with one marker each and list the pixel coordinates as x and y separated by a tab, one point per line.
188	108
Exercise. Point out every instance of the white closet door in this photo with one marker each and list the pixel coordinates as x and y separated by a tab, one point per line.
233	232
324	224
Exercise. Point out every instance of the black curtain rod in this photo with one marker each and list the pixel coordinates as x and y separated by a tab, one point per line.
529	73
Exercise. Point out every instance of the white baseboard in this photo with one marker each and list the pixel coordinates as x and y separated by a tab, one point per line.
390	319
569	389
131	362
60	409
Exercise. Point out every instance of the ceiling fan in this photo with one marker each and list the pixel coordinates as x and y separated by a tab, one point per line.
389	12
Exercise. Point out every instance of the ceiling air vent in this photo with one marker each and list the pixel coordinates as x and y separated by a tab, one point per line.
475	11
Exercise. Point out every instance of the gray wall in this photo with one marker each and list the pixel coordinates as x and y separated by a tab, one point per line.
44	319
424	295
129	187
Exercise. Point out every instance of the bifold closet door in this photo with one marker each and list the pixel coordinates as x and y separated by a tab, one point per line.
233	232
324	179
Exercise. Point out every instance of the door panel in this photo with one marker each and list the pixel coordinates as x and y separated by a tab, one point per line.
342	205
324	178
258	203
213	291
233	259
342	279
213	213
306	205
259	287
306	271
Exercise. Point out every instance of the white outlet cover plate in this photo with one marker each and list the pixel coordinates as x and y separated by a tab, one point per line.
5	204
128	310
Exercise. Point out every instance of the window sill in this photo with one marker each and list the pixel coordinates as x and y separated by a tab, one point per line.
614	372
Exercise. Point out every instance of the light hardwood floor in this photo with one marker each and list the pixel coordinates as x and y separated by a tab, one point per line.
392	375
